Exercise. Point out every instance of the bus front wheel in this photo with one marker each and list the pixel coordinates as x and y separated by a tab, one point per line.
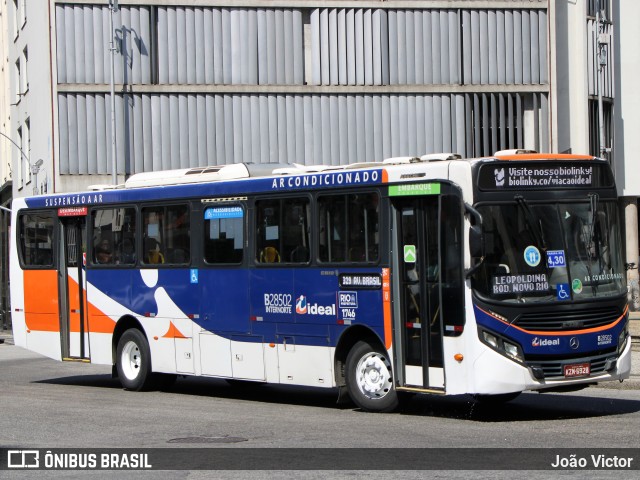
133	360
369	378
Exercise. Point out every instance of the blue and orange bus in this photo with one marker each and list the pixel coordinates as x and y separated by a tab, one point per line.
430	274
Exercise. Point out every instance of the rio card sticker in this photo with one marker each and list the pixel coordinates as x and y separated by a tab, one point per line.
576	285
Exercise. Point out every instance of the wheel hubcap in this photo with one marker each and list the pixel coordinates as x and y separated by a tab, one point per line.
131	360
374	375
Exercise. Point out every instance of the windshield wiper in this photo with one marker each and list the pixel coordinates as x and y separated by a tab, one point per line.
532	223
593	205
589	243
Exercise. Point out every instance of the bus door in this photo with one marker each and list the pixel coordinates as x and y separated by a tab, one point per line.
74	330
417	317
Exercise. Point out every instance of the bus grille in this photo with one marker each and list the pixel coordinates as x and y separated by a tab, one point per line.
565	321
555	368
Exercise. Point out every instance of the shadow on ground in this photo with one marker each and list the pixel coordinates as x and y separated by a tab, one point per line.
527	407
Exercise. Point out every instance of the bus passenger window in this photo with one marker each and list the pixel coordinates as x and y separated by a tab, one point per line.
113	231
223	234
348	228
166	235
36	239
282	230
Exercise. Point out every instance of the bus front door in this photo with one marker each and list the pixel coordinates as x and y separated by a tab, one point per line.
74	330
417	316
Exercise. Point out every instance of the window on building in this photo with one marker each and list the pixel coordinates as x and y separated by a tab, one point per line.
16	17
166	235
26	134
348	227
18	81
113	236
24	87
594	127
282	230
605	8
21	162
223	234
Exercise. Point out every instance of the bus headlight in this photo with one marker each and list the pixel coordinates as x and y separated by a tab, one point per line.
502	345
490	339
512	350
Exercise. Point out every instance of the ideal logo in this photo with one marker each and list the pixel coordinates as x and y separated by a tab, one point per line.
545	342
303	308
301	305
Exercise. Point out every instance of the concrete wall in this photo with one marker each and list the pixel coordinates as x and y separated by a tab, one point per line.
627	111
5	80
32	110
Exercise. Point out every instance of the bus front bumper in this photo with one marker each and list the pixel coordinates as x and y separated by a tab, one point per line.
496	374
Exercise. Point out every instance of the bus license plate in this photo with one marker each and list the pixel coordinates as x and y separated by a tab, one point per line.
577	370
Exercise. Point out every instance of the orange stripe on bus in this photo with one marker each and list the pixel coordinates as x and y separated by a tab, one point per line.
95	320
74	306
99	322
556	333
41	311
544	156
386	307
173	332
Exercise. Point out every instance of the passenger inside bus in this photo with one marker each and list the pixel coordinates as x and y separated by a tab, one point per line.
153	252
127	254
269	255
104	253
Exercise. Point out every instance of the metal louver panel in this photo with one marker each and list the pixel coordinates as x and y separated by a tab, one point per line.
82	39
158	132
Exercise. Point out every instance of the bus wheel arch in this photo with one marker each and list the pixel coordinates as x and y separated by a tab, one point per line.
125	323
363	365
346	342
369	378
132	355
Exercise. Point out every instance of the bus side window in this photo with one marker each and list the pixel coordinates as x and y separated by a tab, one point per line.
113	230
282	230
166	234
223	234
36	239
348	228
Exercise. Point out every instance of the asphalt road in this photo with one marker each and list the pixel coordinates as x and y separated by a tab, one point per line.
52	405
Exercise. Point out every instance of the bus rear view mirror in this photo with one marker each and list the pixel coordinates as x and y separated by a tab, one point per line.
476	242
476	239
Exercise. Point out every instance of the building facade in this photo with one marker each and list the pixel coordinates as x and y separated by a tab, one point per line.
333	82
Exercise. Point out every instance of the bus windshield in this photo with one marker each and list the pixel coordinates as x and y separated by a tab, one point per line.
551	252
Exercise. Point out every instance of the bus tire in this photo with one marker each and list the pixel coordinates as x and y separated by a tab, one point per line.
369	378
133	361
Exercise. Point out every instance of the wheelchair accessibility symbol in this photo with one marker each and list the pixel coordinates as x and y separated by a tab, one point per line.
194	275
562	291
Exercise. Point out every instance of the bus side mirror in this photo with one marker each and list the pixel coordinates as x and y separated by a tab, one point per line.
476	239
476	242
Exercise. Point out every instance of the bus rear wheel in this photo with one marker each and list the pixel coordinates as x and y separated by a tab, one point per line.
369	378
133	361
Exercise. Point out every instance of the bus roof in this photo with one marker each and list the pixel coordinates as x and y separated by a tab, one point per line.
540	156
